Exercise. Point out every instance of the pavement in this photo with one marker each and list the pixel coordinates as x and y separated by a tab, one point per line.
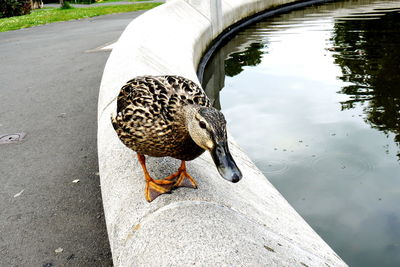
51	210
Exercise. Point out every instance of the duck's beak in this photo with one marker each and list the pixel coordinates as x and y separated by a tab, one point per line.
226	166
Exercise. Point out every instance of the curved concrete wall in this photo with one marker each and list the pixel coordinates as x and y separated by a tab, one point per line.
220	224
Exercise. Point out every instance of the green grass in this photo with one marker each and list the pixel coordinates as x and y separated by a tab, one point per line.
49	15
108	1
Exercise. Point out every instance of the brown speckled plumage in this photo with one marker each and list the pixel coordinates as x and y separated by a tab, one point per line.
149	116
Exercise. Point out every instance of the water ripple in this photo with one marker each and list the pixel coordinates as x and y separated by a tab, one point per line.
344	165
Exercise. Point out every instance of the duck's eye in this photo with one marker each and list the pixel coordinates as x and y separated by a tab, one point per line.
202	124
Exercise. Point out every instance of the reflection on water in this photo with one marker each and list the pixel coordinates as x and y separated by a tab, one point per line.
368	53
313	97
250	56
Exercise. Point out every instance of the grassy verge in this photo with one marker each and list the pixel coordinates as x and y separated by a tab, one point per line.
108	1
49	15
105	1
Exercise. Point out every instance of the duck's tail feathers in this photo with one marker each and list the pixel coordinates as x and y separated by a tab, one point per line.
114	121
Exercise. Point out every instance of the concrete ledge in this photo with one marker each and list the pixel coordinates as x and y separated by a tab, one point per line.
220	224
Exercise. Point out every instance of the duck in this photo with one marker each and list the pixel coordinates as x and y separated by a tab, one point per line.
171	116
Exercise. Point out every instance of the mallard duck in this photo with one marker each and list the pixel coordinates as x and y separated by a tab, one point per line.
171	116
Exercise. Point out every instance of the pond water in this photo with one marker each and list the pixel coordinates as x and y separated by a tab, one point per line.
313	96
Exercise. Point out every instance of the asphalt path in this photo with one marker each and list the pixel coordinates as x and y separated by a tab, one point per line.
51	211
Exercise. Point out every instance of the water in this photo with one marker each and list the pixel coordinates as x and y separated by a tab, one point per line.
313	97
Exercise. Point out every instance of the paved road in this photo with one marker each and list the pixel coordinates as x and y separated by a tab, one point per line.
49	81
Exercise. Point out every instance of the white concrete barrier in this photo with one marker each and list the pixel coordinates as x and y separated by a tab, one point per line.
220	223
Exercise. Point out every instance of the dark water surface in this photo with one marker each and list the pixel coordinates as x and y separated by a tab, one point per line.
313	96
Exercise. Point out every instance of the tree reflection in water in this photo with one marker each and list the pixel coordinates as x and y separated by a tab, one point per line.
251	56
367	50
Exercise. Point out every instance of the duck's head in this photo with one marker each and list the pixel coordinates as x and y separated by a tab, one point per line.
207	127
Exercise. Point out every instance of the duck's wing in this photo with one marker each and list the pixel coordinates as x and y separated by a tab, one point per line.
133	92
158	97
185	90
160	94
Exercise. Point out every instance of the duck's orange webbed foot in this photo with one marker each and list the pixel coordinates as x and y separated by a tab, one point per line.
184	178
154	187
